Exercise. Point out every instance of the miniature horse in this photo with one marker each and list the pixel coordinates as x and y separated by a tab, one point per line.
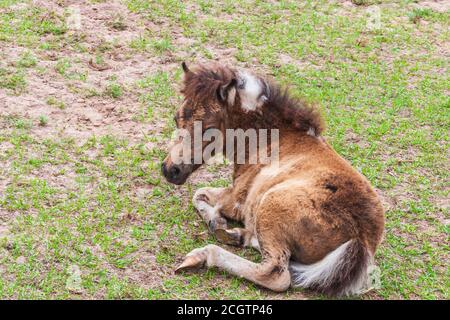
316	221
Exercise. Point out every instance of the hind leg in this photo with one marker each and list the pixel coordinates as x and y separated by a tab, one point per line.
272	273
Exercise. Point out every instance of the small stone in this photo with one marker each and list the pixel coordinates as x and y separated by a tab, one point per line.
73	282
21	260
4	231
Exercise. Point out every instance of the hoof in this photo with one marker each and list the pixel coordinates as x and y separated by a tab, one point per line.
217	223
202	197
194	261
229	237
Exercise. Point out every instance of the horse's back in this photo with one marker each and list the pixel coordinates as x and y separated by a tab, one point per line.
317	203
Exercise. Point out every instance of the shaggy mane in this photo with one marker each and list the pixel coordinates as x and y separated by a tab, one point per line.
201	84
280	110
294	112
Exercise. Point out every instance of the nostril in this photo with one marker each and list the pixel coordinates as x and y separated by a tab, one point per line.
164	169
175	171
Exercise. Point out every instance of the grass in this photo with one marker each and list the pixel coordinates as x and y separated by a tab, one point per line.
53	101
149	43
100	204
118	23
114	90
43	120
14	80
62	66
27	60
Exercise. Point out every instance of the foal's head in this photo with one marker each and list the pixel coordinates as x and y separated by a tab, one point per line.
212	95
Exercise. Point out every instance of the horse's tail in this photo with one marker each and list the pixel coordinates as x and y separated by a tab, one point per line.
343	271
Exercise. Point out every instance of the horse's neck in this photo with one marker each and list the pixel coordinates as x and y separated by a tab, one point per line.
285	137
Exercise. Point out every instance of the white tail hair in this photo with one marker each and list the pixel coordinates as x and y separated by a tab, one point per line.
343	271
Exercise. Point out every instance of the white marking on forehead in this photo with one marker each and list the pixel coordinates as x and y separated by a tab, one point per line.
250	89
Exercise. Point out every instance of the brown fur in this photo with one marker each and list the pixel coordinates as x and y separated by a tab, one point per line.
280	111
303	210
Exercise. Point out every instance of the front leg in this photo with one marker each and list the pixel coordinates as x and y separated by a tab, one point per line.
206	200
238	237
210	203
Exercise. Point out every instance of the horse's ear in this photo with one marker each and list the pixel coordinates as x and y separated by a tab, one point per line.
185	67
227	92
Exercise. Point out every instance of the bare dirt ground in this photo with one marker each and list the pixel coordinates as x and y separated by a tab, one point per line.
95	115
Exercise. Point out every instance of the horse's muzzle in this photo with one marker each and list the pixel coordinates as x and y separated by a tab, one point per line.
176	173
